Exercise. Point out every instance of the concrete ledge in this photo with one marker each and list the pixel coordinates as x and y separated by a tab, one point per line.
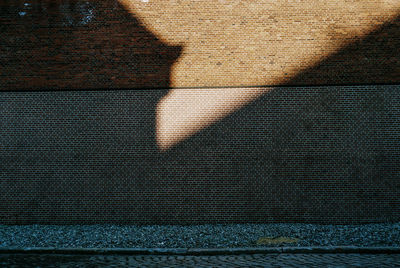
203	251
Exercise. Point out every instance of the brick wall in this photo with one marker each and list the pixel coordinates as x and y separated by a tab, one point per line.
77	44
82	81
305	154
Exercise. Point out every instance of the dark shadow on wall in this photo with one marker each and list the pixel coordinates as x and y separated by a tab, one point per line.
74	44
315	154
70	154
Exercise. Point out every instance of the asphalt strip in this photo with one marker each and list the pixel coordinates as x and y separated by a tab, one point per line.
203	251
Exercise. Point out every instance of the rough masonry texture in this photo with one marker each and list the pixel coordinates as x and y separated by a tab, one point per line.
81	82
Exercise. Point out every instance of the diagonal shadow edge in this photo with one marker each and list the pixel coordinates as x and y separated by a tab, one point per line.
300	154
56	47
371	60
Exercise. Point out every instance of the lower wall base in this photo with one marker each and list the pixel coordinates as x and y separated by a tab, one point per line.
306	154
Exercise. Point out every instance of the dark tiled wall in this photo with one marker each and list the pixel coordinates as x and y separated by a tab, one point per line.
306	154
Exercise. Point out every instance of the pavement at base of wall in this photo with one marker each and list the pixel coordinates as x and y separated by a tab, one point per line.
293	258
199	236
233	245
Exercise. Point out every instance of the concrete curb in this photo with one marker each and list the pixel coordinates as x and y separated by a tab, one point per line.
203	251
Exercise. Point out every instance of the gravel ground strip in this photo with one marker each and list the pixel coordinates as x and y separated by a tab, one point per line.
198	236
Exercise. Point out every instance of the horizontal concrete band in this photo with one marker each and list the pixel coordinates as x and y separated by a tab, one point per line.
204	251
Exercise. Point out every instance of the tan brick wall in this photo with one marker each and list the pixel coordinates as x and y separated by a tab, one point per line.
92	44
246	42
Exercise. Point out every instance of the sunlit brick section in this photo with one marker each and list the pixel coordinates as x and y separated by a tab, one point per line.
183	112
245	42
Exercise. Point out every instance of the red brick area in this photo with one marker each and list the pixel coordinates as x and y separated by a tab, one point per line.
79	45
